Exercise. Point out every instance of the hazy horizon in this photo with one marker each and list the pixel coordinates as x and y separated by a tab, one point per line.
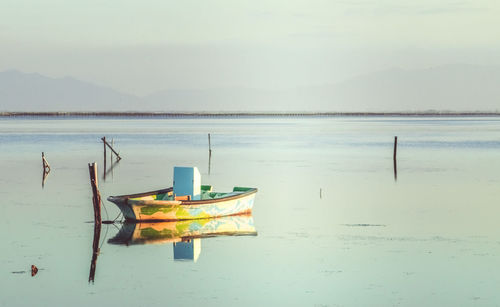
275	54
456	88
142	48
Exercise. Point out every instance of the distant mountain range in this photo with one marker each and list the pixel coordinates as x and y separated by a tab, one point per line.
34	92
442	88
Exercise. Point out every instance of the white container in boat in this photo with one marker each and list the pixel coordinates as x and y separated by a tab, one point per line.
187	181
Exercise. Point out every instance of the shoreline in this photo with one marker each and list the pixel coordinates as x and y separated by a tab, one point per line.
246	114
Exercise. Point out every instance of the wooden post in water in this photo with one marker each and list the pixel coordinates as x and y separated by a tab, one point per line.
104	170
209	154
96	196
209	145
96	200
45	164
104	144
46	169
118	158
209	161
395	159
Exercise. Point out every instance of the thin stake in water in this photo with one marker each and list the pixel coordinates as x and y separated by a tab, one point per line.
394	158
209	154
104	170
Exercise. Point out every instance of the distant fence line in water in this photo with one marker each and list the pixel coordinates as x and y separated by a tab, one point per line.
240	114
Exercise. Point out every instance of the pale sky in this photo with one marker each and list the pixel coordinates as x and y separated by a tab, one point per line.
140	47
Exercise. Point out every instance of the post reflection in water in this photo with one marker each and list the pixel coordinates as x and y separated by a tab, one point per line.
109	170
95	251
185	235
44	178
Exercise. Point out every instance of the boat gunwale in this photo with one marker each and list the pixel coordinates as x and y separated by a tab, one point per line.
127	196
184	202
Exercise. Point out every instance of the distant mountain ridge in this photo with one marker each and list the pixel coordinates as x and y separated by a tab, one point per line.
441	88
34	92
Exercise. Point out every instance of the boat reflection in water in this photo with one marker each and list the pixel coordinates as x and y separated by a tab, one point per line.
185	235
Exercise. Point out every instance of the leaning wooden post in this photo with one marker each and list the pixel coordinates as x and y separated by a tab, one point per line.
45	164
96	197
46	169
118	158
395	159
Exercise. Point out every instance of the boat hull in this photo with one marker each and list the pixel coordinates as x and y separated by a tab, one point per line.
158	210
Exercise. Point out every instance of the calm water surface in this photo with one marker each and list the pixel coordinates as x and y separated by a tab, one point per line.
334	227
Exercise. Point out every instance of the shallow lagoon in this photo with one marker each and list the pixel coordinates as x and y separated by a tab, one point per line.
429	238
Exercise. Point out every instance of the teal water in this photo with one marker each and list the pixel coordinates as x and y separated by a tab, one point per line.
429	238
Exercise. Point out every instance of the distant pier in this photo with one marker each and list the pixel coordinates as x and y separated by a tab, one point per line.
247	114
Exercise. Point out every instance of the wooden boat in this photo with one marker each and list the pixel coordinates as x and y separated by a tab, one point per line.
133	233
164	205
